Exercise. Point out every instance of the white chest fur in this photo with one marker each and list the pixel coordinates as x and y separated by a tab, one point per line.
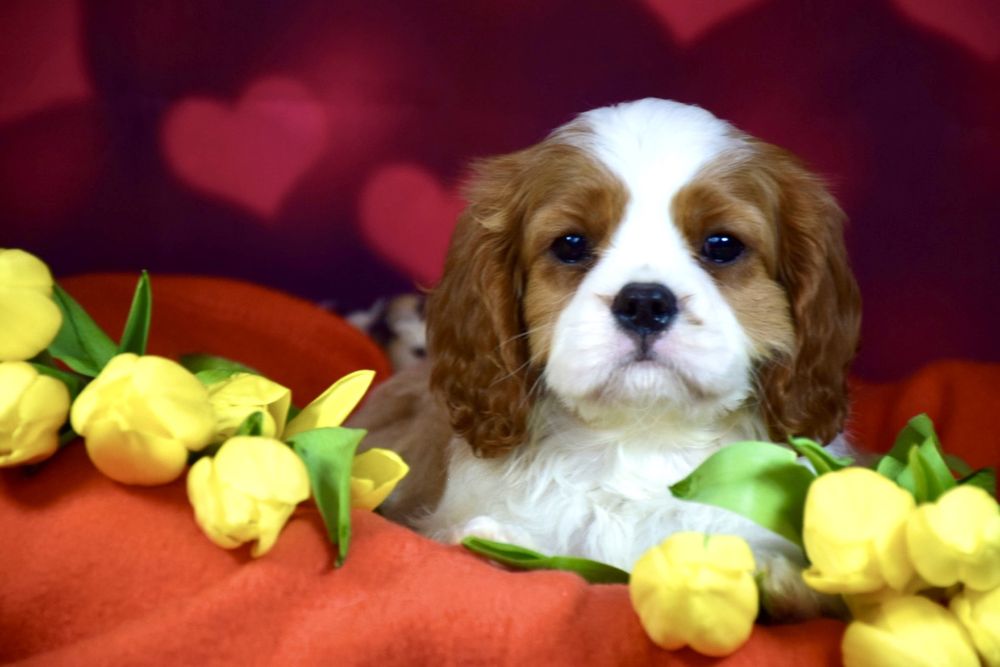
600	493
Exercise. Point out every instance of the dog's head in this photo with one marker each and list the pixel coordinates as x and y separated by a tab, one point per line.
645	255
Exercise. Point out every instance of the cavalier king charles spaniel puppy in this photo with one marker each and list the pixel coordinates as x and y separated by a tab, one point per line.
640	289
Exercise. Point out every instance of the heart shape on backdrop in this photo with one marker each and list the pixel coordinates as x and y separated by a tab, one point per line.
407	216
688	21
251	153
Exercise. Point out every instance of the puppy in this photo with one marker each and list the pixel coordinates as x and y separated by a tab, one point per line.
645	286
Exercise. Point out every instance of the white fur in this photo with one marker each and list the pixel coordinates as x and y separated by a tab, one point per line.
613	433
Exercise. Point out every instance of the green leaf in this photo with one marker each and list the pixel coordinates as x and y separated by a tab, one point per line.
328	454
822	461
136	331
758	480
957	465
517	557
252	425
916	432
197	363
939	477
214	375
896	464
891	467
984	478
80	343
74	383
928	473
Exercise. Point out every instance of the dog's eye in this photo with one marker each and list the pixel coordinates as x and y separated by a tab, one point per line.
571	248
721	248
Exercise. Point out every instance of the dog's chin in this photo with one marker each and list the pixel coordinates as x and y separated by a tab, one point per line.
641	384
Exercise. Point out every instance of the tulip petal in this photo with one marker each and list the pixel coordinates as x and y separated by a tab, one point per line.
239	395
262	468
957	539
33	407
908	631
29	322
333	405
22	270
131	457
374	474
979	613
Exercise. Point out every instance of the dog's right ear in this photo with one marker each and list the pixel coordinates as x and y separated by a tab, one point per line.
474	319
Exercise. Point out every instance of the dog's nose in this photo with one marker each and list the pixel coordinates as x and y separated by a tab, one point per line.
644	308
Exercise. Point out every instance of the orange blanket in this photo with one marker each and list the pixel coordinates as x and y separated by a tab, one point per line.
94	572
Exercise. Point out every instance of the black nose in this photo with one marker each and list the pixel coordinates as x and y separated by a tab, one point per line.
645	308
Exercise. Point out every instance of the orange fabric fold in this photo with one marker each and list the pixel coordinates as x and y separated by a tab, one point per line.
95	572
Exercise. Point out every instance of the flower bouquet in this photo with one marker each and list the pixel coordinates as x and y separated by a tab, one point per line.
251	456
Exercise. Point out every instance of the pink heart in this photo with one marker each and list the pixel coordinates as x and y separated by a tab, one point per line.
252	153
407	217
690	20
973	23
42	63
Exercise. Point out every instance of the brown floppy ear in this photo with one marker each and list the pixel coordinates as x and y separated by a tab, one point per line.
474	319
805	392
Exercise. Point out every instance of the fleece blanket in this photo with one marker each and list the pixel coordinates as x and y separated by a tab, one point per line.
96	573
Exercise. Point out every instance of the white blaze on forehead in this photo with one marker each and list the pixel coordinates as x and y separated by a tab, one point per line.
655	148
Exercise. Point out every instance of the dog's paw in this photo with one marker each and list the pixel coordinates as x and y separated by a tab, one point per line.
488	529
784	595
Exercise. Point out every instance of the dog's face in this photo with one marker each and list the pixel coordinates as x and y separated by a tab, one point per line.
645	257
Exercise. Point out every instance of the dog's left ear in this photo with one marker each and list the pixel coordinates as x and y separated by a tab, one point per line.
806	393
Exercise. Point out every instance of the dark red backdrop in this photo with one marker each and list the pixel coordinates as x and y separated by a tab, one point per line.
315	145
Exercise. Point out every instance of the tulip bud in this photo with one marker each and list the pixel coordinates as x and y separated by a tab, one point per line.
240	395
979	613
247	491
29	319
140	417
957	539
911	631
374	474
854	533
32	409
696	590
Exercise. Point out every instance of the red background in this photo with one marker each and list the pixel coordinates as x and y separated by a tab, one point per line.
316	145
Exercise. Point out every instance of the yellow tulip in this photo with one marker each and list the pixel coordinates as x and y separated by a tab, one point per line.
240	395
32	409
140	417
29	319
957	539
696	590
333	405
854	533
374	474
979	613
908	632
247	492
